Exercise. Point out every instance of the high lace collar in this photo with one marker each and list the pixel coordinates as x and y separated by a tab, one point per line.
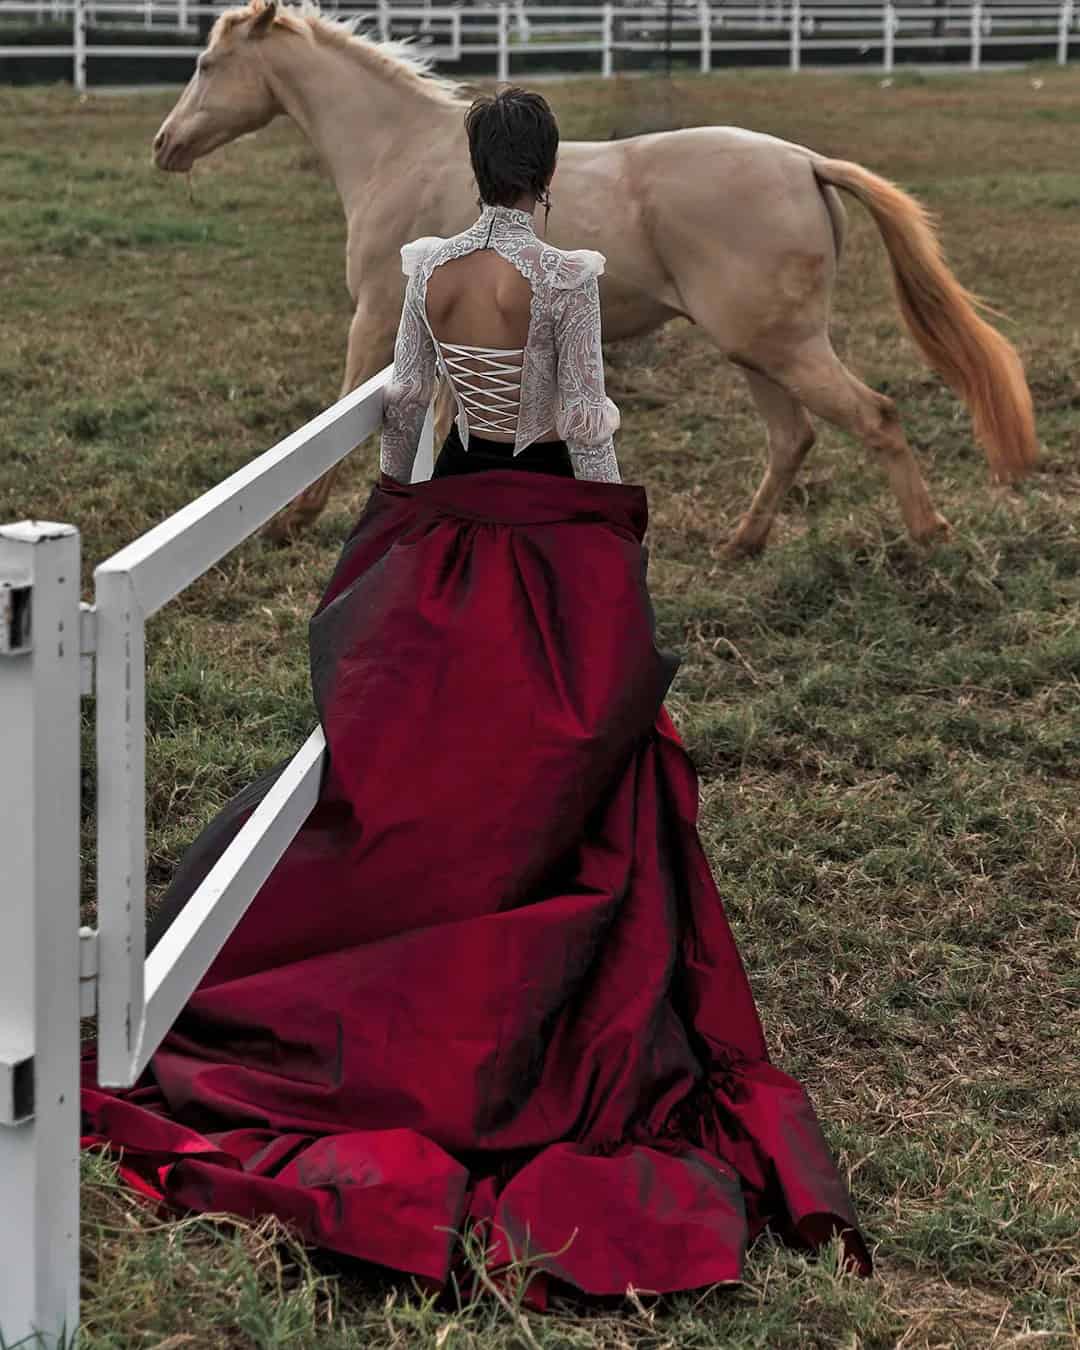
508	215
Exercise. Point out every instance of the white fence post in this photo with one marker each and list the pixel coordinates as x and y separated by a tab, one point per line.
39	956
706	38
121	821
976	34
384	21
503	71
1063	32
796	34
454	54
78	20
605	39
889	22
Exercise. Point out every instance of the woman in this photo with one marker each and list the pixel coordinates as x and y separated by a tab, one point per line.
491	982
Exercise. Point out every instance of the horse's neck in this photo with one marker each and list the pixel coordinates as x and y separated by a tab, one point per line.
358	120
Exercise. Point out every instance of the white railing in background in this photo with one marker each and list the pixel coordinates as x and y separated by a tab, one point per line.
52	650
504	31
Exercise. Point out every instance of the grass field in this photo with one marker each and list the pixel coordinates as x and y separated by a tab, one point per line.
888	742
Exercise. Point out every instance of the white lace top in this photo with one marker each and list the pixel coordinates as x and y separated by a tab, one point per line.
561	366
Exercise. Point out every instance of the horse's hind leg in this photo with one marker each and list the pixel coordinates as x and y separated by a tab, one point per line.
791	436
814	374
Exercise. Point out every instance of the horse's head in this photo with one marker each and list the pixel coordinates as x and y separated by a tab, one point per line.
229	94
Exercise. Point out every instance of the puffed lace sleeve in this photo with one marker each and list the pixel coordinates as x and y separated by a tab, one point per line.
586	418
408	395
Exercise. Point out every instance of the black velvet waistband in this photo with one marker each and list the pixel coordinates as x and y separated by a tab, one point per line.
540	457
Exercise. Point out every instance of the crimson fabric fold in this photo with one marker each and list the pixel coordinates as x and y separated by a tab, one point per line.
491	983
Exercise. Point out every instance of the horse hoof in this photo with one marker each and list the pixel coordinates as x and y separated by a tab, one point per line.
936	531
744	544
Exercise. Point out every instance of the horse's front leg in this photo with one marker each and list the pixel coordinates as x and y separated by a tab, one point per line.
791	438
371	347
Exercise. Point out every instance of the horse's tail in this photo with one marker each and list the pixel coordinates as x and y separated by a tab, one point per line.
980	365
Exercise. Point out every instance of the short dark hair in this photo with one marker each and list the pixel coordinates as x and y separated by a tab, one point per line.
513	138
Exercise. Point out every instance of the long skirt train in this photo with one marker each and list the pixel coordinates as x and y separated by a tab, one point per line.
491	981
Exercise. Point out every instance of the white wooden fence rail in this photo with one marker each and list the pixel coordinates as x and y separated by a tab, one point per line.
52	650
803	30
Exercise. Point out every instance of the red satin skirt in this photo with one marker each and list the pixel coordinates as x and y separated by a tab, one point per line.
491	983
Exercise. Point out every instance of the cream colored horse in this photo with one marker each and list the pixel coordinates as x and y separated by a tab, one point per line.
739	232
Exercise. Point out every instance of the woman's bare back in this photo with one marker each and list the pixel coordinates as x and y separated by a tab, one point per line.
482	300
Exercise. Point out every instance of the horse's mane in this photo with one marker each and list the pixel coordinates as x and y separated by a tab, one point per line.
396	59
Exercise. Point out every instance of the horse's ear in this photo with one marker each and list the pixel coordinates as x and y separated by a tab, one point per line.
264	17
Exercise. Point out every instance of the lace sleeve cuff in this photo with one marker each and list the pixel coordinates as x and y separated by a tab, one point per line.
596	463
586	418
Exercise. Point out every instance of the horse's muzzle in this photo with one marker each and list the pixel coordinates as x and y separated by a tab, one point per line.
168	154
